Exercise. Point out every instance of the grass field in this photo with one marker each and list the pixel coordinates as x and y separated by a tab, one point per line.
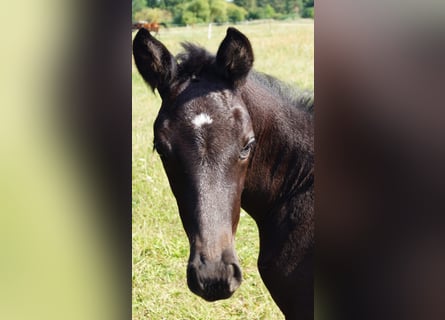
160	247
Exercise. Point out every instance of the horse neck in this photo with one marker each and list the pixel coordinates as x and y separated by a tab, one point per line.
283	159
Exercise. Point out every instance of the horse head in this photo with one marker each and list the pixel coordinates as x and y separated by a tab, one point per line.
204	136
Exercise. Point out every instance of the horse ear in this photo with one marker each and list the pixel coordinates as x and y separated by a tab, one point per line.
235	56
154	62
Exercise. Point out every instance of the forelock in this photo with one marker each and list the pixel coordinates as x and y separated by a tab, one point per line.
193	60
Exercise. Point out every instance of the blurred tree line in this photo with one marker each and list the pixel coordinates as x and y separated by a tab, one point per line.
188	12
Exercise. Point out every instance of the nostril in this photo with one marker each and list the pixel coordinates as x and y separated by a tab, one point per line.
235	277
237	272
193	280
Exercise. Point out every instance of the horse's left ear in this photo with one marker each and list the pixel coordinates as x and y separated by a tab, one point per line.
235	56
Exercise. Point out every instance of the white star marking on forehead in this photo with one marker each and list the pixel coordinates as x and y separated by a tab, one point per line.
201	119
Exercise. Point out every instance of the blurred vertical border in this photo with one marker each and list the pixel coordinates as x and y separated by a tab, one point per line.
65	160
380	159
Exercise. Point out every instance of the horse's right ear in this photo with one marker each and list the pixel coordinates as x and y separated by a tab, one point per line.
154	62
235	56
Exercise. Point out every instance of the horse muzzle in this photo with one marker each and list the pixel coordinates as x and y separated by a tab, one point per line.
213	280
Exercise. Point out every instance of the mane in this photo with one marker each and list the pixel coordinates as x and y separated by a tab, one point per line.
303	99
195	59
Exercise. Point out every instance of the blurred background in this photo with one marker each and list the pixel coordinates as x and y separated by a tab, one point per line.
379	80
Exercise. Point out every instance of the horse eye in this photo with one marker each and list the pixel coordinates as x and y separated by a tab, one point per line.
245	152
194	78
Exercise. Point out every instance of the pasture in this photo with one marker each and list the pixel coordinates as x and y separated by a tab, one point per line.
160	246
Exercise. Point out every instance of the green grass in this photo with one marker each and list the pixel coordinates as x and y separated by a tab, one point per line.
160	247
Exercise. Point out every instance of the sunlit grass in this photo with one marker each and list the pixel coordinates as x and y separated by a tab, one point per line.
160	247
